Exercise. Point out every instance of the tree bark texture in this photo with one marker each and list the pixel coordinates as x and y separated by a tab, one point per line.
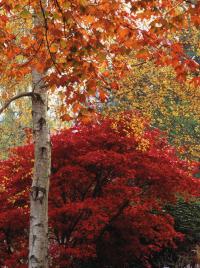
38	235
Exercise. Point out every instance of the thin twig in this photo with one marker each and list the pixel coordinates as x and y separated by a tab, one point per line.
46	37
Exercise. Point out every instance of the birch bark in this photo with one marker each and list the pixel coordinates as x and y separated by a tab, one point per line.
38	235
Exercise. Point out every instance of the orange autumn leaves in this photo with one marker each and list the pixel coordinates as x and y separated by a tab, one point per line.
79	43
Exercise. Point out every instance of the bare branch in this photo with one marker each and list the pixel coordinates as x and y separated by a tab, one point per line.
46	37
18	96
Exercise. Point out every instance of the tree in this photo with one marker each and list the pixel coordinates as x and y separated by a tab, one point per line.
169	105
72	44
107	197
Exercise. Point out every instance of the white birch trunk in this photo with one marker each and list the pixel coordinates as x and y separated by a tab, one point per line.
38	235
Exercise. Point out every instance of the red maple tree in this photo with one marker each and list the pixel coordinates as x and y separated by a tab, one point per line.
106	200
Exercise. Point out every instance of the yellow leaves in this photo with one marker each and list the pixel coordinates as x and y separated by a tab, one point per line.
66	4
13	199
61	60
179	10
63	44
25	14
175	113
83	3
17	117
159	97
132	125
143	145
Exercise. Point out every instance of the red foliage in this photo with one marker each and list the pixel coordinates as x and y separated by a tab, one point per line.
106	198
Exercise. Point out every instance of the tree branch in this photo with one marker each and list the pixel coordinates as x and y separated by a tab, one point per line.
46	37
18	96
113	218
